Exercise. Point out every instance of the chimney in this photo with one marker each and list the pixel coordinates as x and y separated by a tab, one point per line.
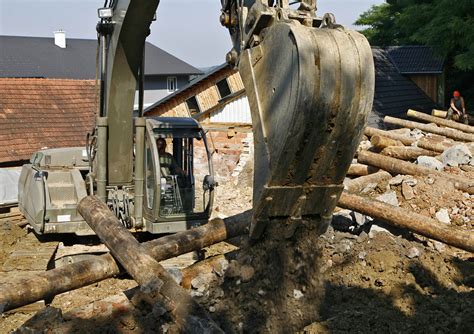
60	39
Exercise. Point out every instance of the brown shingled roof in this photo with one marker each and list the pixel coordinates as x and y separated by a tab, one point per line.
40	113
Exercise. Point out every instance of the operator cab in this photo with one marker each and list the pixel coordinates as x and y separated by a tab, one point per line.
178	175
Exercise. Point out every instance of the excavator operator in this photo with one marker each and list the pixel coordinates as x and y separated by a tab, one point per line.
168	164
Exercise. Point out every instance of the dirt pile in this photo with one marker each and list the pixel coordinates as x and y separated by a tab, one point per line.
271	286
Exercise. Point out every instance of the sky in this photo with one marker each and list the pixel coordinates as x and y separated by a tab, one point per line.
188	29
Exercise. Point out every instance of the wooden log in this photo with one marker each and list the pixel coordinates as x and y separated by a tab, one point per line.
440	121
382	142
450	133
439	113
406	153
443	114
370	132
415	222
358	184
18	292
155	282
361	170
436	146
397	166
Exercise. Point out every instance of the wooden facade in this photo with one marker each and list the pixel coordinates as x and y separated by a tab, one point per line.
431	84
205	92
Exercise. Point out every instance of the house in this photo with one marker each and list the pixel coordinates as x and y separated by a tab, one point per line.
61	58
40	113
395	92
422	66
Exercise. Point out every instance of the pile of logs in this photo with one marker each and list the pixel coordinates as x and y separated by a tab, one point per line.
392	155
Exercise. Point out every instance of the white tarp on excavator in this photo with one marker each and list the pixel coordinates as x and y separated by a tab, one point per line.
9	185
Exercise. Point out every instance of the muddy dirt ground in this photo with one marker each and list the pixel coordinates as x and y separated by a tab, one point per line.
353	278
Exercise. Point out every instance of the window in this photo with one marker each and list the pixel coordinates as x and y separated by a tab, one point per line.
223	87
172	84
193	105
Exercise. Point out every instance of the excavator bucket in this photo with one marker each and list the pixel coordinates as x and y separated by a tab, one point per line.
310	91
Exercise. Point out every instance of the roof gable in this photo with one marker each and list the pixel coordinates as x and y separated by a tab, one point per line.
40	113
415	60
39	57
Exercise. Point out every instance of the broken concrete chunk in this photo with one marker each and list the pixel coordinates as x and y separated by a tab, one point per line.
429	180
369	187
376	229
390	197
362	255
439	246
397	180
201	282
443	216
176	274
365	145
410	180
416	134
407	191
360	218
221	267
413	252
456	155
297	294
429	162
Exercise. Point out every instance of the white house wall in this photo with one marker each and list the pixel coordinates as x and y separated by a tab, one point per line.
237	111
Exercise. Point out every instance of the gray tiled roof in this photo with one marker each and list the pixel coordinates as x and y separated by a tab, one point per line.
394	93
38	57
415	59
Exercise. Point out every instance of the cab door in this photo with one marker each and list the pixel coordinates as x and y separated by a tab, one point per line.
152	178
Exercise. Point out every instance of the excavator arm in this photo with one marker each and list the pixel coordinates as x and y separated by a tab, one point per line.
310	85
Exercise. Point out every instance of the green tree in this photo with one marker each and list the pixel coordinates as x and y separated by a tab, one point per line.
382	25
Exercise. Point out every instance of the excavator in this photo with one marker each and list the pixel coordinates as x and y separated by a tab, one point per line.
310	86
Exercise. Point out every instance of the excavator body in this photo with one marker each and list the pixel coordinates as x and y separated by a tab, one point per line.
55	181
